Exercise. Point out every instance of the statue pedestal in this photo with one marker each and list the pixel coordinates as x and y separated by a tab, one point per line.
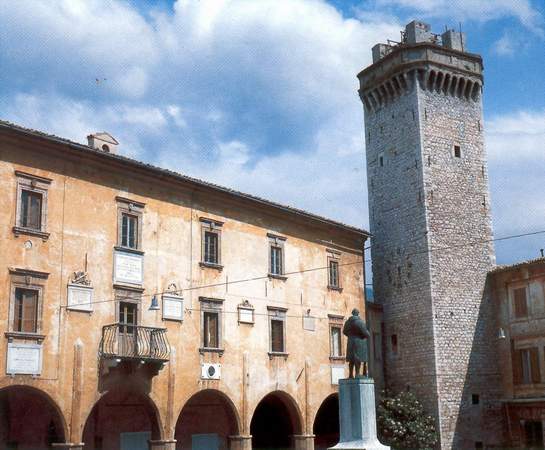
358	423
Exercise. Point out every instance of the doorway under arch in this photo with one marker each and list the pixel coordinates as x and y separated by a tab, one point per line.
29	419
122	420
274	422
326	423
206	421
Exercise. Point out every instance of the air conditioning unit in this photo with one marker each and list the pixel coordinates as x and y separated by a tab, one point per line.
210	371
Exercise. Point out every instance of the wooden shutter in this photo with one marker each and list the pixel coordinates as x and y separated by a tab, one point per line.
516	359
521	306
30	311
277	335
534	360
211	329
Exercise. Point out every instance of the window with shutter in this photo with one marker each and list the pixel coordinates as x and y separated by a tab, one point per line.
30	216
31	210
526	366
520	303
277	336
336	349
211	324
210	243
517	364
211	329
26	310
534	363
129	222
129	231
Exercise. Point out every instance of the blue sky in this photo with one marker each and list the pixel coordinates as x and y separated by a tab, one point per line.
260	95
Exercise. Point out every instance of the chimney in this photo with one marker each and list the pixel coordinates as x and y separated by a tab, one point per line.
103	141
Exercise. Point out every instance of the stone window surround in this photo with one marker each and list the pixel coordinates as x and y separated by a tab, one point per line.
208	304
136	209
26	279
334	255
522	343
211	226
32	183
336	320
277	241
277	313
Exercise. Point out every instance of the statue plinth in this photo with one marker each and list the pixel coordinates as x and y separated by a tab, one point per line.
358	423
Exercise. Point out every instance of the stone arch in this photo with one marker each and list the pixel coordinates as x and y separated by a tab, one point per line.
326	423
207	412
38	408
119	412
275	420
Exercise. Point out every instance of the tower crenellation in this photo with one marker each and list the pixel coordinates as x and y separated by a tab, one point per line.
431	225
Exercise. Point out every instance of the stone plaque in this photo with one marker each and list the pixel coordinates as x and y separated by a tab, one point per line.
309	323
24	359
245	315
173	307
128	267
80	297
337	373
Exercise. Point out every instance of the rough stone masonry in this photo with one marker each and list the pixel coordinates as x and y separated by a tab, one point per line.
431	225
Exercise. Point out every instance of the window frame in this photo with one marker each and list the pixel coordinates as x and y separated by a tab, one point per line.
276	241
513	302
334	257
211	305
336	321
37	185
275	313
214	227
127	207
28	280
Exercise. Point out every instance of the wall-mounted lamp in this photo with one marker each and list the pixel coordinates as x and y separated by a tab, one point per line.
501	333
154	304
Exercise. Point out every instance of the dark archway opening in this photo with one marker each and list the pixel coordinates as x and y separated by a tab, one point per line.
206	422
274	423
28	420
121	420
326	423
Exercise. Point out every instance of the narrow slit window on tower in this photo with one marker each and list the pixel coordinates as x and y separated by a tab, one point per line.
457	151
381	160
475	400
393	344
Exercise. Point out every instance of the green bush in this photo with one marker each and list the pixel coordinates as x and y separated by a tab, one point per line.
403	423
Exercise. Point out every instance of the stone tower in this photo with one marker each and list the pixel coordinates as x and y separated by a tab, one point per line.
431	229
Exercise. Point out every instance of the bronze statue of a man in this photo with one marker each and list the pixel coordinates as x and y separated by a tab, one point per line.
356	347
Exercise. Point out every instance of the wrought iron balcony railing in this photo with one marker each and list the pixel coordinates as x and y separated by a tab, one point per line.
124	341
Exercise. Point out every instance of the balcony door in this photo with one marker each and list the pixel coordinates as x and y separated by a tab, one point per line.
128	333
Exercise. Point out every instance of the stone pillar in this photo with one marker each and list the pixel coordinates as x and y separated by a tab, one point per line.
163	444
68	445
304	441
357	415
240	442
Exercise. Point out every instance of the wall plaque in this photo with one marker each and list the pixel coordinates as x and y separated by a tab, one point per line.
173	307
80	297
309	323
245	315
24	359
128	267
337	373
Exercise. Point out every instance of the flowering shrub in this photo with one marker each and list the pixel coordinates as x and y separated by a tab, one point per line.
403	424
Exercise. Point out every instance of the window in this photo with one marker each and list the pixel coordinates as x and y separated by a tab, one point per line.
26	300
211	239
381	160
525	365
520	304
475	400
377	347
130	214
478	445
393	344
276	256
336	348
533	434
211	310
277	330
31	205
129	230
31	210
457	151
334	273
26	310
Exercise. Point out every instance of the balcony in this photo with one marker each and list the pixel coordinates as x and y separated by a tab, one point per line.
123	342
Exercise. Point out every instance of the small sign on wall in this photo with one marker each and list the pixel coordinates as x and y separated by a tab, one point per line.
337	373
80	298
245	312
128	267
309	323
24	359
173	307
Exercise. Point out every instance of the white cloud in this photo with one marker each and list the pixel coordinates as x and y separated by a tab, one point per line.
474	10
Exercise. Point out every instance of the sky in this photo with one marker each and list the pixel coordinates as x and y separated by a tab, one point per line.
261	95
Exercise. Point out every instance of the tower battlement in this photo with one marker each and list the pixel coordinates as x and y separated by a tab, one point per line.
437	62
